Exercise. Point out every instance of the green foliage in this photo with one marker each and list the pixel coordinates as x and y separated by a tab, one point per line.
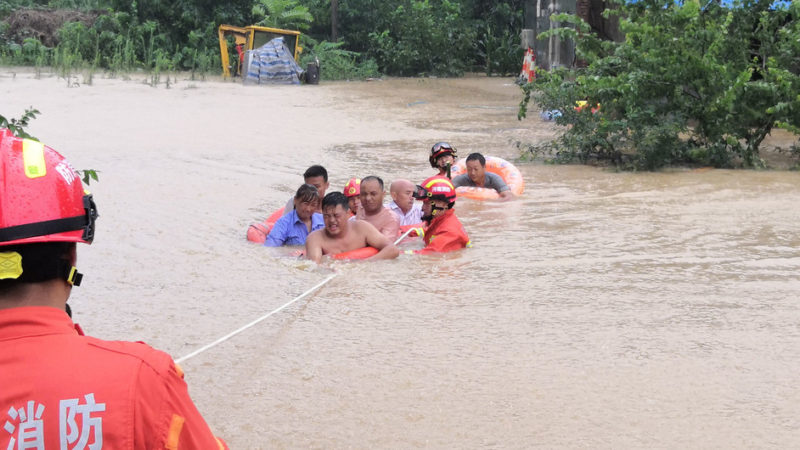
689	84
403	37
337	63
498	41
286	14
88	175
423	37
18	126
129	34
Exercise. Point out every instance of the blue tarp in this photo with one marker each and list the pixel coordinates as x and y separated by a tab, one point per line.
272	63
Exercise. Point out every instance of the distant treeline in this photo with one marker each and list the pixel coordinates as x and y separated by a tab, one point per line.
400	37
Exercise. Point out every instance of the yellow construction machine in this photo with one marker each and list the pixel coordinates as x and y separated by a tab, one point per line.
249	38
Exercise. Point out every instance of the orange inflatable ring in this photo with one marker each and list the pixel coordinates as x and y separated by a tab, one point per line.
510	174
359	253
258	232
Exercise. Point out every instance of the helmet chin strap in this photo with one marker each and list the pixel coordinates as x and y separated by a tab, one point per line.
435	210
448	166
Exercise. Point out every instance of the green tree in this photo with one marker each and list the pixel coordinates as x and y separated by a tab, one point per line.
286	14
18	126
691	83
424	37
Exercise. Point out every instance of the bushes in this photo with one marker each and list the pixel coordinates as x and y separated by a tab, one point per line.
128	35
689	84
421	37
339	64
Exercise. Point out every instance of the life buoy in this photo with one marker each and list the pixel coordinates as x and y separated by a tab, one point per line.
507	171
258	232
359	253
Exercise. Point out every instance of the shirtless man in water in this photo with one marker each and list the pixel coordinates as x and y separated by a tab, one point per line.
341	235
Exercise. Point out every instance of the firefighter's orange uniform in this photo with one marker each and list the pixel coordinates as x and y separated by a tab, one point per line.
60	387
445	234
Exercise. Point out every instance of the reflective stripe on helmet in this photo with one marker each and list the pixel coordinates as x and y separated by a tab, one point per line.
33	158
439	180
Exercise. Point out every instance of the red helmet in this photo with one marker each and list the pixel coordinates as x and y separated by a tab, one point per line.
441	149
353	187
42	198
437	187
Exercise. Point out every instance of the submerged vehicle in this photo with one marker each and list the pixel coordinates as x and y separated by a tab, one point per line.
247	40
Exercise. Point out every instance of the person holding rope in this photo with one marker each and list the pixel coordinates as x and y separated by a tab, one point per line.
444	233
343	235
62	389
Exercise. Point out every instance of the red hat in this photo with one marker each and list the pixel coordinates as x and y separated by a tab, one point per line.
353	187
437	187
42	198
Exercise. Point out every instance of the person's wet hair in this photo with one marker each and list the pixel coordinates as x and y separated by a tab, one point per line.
373	177
316	171
335	198
307	193
477	157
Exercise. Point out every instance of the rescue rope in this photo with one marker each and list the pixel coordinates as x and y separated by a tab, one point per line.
235	332
239	330
402	236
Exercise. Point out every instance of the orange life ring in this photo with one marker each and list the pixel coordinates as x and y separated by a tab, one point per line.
359	253
507	171
258	232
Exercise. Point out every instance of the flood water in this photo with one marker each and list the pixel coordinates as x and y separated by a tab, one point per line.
599	310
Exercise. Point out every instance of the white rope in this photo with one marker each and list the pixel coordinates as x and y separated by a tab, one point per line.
404	235
235	332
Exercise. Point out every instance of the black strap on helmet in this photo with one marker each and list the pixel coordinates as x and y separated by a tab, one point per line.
84	222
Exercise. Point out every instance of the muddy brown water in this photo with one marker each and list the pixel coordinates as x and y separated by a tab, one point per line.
599	310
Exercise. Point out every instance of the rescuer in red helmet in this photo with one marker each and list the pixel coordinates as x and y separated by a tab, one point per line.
352	190
444	232
61	389
443	156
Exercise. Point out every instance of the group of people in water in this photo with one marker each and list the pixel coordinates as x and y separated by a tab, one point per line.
334	223
127	394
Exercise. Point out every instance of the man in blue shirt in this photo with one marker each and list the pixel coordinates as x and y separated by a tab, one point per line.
293	228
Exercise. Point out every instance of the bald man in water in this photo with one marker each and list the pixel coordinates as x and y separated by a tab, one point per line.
402	205
343	235
372	209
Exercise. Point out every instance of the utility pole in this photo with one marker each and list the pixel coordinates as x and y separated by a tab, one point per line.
529	15
334	20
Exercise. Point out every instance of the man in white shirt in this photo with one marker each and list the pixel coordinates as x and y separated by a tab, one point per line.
407	211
